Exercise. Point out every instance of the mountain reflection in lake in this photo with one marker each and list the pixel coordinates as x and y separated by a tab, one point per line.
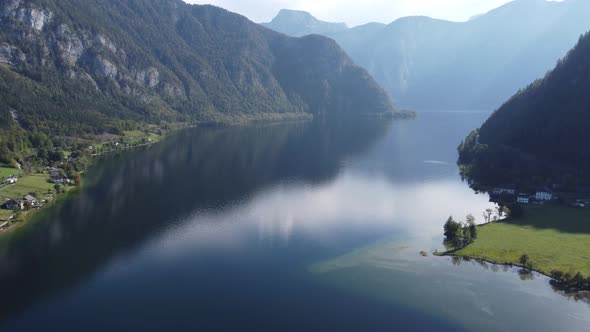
290	227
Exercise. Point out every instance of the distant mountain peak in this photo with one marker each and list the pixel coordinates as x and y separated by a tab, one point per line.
490	56
300	23
292	13
303	15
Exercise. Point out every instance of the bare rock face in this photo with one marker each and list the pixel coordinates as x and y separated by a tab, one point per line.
11	55
38	18
69	45
103	67
173	90
29	15
107	43
149	77
152	77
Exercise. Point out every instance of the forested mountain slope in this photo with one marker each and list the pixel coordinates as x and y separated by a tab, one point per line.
540	135
79	67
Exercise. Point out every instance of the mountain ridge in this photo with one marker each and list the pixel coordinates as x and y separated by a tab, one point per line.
82	68
305	22
174	60
478	64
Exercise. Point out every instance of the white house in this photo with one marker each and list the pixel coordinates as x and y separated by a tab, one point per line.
30	199
57	180
506	189
11	180
20	204
543	196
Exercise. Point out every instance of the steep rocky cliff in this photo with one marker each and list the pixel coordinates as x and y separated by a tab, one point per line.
79	66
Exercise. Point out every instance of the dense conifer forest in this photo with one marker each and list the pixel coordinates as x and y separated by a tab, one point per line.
540	135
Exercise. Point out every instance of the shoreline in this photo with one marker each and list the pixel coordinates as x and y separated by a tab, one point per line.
163	135
453	253
549	240
31	214
552	281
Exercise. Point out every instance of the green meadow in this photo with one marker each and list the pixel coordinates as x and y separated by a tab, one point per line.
36	184
554	237
7	171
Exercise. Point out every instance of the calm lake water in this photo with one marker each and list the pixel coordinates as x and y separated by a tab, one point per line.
299	227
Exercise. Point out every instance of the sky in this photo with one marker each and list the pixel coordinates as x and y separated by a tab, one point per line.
356	12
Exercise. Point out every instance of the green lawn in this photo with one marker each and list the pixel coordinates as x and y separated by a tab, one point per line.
7	171
555	238
5	214
36	183
134	134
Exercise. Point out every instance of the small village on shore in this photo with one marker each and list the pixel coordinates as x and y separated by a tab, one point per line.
28	187
510	194
21	194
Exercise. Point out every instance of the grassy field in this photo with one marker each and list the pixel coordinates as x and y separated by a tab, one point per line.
5	215
6	172
36	183
137	135
555	238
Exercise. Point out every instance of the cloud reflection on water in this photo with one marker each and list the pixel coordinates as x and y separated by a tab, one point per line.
354	200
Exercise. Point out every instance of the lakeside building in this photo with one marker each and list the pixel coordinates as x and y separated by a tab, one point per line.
505	189
20	204
11	180
523	199
544	195
56	176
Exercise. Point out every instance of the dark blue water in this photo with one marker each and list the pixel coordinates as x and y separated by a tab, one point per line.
300	227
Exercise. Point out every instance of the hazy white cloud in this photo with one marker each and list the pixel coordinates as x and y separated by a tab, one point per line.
356	12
